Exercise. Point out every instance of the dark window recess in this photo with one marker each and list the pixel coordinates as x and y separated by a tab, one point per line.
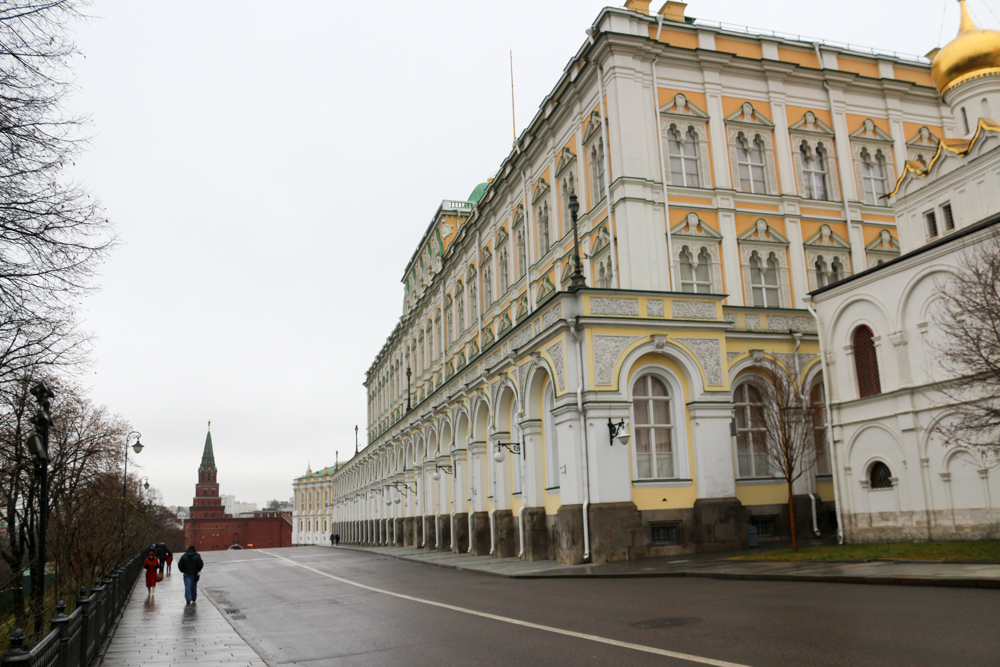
949	219
866	362
931	219
664	535
880	476
765	527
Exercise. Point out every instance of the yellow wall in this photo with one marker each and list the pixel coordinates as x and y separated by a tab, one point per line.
763	494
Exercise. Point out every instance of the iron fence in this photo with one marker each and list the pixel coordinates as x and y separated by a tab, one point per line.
75	639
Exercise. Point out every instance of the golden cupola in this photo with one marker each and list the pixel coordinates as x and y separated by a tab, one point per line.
974	53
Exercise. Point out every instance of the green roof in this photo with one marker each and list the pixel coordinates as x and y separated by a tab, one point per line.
477	194
208	456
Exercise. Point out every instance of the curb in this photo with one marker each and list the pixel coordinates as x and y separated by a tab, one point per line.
940	582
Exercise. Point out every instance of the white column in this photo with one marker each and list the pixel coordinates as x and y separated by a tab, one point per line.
714	470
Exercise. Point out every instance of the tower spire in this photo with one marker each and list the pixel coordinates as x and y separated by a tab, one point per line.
208	455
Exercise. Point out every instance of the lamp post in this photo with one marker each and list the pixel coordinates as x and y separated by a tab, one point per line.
576	280
38	445
136	447
408	389
355	440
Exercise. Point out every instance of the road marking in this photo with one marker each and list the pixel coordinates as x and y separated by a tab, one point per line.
514	621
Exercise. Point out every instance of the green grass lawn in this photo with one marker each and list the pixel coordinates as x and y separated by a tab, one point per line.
951	551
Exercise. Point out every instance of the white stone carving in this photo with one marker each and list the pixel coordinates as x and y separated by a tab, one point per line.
753	322
790	323
654	308
607	349
708	351
602	305
551	316
693	310
555	352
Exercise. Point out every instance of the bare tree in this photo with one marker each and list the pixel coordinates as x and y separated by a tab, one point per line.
53	233
782	427
968	311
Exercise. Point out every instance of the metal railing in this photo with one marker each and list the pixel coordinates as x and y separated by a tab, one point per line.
75	639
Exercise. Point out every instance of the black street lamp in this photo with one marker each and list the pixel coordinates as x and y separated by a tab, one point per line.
136	447
408	408
38	445
355	440
576	280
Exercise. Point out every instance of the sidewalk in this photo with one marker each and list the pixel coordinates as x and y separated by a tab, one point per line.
716	566
164	631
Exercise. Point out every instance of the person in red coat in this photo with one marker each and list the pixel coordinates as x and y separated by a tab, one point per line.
151	566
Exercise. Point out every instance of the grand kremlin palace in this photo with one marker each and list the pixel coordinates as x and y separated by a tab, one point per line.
722	175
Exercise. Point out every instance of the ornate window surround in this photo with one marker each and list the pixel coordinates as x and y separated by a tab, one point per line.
681	114
694	234
816	134
765	240
828	245
751	124
923	144
885	247
593	141
876	140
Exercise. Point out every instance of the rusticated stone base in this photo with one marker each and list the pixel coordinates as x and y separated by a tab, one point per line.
536	534
461	533
720	524
408	531
958	524
568	532
480	534
444	530
507	539
398	532
418	531
615	532
430	536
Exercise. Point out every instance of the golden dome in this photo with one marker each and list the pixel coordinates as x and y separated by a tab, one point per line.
975	52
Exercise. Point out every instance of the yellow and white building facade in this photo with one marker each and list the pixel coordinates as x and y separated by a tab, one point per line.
721	176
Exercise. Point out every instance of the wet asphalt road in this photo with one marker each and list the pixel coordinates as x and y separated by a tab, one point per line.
285	602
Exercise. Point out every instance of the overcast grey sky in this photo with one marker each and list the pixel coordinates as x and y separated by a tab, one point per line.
270	168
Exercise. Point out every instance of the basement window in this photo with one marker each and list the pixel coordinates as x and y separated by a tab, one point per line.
765	526
664	535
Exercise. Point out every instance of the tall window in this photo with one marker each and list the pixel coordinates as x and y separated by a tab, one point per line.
751	433
866	362
522	252
487	273
836	270
683	157
947	217
449	329
654	451
473	302
821	278
696	273
764	281
873	174
597	171
460	309
503	272
817	406
568	188
551	440
813	172
930	219
542	214
750	159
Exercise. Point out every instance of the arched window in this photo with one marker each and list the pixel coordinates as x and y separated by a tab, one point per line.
817	408
821	280
568	188
813	172
653	428
602	278
522	252
683	157
696	272
750	159
879	476
542	213
764	281
866	362
836	270
503	269
751	433
597	170
487	271
873	174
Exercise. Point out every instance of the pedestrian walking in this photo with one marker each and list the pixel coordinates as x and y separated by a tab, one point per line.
150	565
161	555
170	560
190	565
336	539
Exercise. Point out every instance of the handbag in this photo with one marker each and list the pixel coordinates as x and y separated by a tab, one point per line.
159	576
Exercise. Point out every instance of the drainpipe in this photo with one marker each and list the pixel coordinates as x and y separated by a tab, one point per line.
842	160
663	171
496	497
520	512
798	374
607	177
578	338
451	526
837	494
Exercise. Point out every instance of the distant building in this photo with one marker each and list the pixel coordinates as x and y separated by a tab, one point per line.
210	528
236	507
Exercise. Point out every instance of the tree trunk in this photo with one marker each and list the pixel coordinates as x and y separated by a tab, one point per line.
791	517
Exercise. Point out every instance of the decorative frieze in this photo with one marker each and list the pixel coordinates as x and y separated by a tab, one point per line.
752	322
708	351
555	353
790	323
607	349
551	316
602	305
693	310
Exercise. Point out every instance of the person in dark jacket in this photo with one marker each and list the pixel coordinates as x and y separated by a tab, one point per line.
161	555
190	565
